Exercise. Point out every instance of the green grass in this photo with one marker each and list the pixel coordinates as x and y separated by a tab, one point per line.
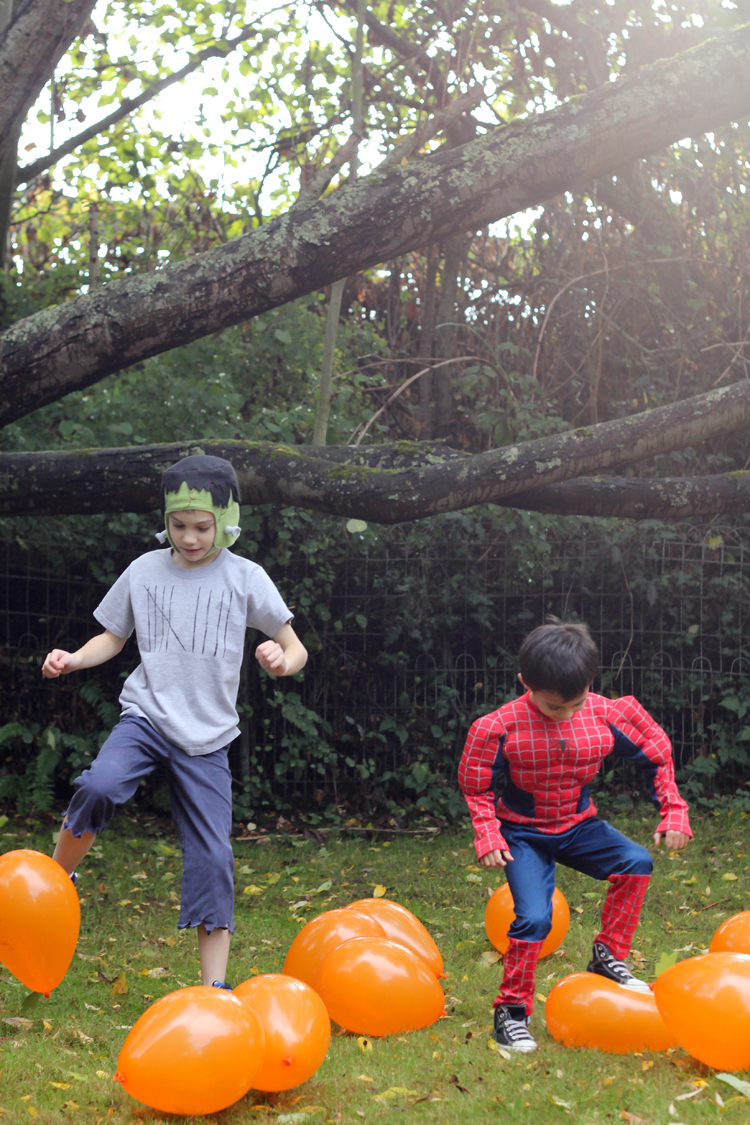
58	1068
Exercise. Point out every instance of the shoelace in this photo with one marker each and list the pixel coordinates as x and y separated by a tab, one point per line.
515	1030
620	970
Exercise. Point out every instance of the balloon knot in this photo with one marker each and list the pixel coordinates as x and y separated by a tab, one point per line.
117	1077
46	995
287	1062
443	976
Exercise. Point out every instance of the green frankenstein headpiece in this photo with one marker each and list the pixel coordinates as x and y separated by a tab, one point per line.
203	484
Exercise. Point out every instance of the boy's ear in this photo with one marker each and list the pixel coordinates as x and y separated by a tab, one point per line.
522	681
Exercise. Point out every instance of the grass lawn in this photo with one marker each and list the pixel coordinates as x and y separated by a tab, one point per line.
59	1067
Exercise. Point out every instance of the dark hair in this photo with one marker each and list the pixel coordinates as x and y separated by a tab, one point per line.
559	658
207	474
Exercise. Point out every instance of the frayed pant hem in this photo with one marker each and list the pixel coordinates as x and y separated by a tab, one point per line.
208	926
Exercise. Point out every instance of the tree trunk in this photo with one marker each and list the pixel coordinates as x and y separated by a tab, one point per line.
391	484
31	46
381	216
456	249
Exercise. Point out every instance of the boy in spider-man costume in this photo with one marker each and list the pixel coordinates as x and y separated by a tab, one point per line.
525	772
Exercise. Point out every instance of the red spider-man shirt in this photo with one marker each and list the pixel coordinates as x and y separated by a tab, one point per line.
520	766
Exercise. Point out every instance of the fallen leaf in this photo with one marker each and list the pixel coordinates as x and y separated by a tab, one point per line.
119	985
18	1021
273	877
474	879
72	1106
729	877
378	891
253	890
493	1046
161	971
33	1112
365	1078
688	883
646	1065
738	1083
394	1092
364	1044
666	961
61	1085
631	1118
125	902
559	1101
490	957
578	909
102	1074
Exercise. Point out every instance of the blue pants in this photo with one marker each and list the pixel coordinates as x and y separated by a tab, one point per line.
592	847
200	794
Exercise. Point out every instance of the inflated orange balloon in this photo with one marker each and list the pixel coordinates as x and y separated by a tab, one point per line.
499	914
732	936
705	1002
322	935
586	1010
402	926
194	1051
39	919
296	1027
375	986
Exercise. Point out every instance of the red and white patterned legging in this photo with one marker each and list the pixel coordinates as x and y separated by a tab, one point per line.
620	914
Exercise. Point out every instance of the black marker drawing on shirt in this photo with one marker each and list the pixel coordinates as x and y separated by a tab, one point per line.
163	627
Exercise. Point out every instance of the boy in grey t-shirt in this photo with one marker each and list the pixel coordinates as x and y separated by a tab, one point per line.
189	606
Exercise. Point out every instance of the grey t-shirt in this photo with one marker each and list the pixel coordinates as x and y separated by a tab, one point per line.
190	627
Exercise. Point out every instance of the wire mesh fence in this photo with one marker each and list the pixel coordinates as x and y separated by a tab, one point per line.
415	643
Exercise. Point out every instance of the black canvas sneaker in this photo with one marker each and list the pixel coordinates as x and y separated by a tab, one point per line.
511	1028
605	964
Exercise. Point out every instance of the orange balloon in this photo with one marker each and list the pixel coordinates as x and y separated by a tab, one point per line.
40	917
322	935
705	1002
376	986
732	936
194	1051
586	1010
296	1028
402	926
499	914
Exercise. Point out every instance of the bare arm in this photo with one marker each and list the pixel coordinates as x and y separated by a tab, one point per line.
284	655
96	651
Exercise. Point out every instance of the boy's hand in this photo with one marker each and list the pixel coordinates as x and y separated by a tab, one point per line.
675	841
58	663
496	858
270	656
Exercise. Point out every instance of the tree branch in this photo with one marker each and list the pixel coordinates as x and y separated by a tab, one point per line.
30	48
373	220
391	484
31	171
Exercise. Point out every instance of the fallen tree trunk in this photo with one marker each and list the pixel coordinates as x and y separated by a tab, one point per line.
375	219
394	483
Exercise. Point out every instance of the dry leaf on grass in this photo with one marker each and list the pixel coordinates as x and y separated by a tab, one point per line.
378	891
364	1044
120	985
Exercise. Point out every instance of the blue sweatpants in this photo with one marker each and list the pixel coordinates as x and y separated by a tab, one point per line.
592	847
200	793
